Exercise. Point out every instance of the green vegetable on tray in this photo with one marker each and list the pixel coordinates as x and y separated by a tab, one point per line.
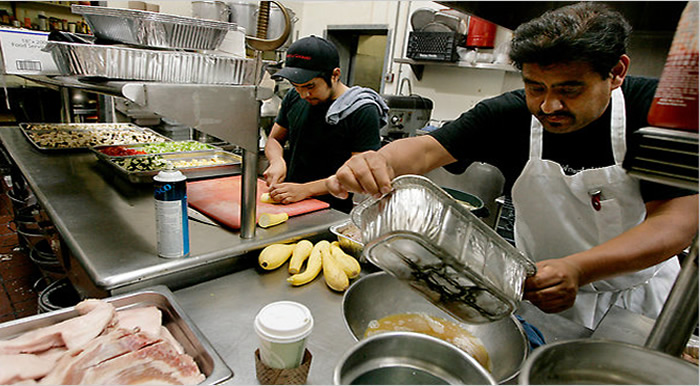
142	164
174	147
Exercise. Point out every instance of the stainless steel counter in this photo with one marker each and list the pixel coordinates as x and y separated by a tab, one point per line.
224	310
109	225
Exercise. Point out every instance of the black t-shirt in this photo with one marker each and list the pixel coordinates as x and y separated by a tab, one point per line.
497	131
316	148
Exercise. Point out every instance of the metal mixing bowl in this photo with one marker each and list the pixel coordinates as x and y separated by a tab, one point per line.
379	295
408	358
598	361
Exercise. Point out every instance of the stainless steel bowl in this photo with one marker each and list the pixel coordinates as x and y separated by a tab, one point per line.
598	361
408	358
379	294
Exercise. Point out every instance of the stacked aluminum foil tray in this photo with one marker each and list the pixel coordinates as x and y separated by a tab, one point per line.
424	237
174	319
124	63
153	29
82	136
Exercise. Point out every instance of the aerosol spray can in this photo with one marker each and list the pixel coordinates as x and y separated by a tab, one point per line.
171	213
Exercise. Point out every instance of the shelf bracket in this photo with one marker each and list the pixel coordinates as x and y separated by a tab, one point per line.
417	70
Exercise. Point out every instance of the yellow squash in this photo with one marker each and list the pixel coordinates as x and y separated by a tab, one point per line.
349	264
265	198
267	220
300	254
333	273
275	255
313	268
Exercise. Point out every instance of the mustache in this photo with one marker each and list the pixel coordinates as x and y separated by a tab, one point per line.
541	114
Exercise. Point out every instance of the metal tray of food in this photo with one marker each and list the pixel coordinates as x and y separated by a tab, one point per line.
154	29
124	63
194	165
169	147
349	238
174	319
423	236
83	136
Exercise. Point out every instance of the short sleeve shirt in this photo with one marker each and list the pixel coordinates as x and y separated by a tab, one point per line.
497	131
316	148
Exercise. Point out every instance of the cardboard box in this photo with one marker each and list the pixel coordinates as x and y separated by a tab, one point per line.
22	54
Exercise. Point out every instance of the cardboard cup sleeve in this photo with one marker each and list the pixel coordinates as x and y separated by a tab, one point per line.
270	376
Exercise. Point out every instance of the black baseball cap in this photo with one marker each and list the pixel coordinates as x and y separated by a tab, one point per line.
307	58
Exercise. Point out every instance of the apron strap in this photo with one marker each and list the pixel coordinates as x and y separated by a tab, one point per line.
618	126
536	131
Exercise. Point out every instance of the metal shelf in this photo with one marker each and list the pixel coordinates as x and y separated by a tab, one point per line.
418	65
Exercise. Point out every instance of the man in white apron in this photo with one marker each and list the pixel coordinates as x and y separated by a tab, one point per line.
546	234
598	236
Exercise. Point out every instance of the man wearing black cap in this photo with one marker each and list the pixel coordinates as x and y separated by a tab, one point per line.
325	122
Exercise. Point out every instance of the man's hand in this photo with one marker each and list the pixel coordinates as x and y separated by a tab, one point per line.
275	173
554	287
288	193
366	173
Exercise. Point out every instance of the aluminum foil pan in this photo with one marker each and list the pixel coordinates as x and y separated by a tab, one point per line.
349	238
423	236
154	29
115	62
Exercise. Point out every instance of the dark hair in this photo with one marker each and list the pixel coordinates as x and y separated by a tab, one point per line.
588	31
326	76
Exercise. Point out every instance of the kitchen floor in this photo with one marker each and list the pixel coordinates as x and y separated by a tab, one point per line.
17	272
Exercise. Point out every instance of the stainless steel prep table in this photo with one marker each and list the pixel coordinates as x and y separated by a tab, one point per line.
109	225
224	310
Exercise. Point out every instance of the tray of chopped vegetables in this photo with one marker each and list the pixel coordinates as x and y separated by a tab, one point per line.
83	136
171	147
193	164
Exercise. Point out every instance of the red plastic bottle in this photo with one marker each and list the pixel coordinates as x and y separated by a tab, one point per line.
675	104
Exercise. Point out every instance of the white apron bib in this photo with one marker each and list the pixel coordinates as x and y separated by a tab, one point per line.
558	215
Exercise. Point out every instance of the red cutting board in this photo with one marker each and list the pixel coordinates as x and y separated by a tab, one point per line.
220	199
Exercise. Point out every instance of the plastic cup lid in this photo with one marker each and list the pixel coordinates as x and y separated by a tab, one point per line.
284	322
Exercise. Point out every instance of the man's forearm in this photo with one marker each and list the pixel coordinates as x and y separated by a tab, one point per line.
316	188
274	151
415	155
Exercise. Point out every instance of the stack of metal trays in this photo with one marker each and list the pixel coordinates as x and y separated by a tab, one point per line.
82	136
140	168
153	29
124	63
424	237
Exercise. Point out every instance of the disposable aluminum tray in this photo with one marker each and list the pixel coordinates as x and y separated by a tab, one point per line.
154	29
231	165
123	63
175	320
82	136
140	146
350	244
424	237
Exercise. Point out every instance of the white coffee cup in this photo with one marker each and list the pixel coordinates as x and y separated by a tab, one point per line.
283	328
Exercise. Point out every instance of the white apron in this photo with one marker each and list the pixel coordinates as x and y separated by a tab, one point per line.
558	215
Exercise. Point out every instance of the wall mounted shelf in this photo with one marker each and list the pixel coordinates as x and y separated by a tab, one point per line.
419	65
